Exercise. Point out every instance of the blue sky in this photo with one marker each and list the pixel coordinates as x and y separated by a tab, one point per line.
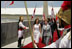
31	4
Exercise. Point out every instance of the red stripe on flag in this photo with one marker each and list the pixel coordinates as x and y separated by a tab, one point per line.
56	18
12	3
32	17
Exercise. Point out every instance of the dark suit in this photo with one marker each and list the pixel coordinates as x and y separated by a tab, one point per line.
51	23
55	27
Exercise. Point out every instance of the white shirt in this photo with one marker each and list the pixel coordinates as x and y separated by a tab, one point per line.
21	25
20	32
36	28
46	27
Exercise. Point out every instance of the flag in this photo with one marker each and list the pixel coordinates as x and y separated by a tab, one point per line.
33	13
52	13
56	18
11	3
43	16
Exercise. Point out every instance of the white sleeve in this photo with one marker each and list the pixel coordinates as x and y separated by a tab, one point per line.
65	41
50	32
21	25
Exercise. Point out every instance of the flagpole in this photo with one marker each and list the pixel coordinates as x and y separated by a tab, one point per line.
45	9
29	24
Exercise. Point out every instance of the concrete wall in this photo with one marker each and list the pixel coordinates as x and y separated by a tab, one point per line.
17	16
9	32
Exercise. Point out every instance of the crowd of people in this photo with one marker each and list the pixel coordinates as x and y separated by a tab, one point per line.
42	28
47	27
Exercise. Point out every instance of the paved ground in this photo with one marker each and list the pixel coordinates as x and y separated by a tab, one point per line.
14	45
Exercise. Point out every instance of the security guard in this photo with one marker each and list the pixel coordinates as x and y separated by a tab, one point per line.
21	28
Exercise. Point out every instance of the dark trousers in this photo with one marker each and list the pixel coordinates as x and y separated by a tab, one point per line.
45	40
52	31
19	41
58	34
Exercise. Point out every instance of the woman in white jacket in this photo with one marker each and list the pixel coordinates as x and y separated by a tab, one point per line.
36	31
21	28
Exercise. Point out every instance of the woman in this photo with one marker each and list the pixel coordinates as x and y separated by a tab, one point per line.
46	32
21	28
36	31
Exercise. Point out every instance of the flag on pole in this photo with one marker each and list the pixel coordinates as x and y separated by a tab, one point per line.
43	16
33	13
11	3
56	18
52	13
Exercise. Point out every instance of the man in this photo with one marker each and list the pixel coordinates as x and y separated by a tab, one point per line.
21	28
64	15
51	23
41	23
56	28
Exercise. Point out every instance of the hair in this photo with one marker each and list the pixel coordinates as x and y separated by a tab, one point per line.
51	20
48	19
19	21
36	20
45	20
20	18
55	20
